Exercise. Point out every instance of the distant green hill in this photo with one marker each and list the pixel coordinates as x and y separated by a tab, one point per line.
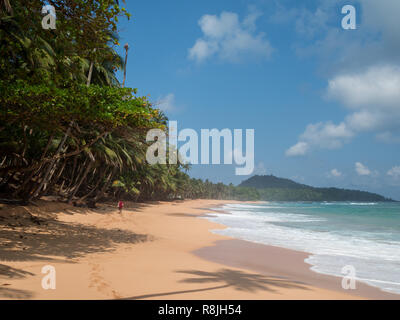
272	188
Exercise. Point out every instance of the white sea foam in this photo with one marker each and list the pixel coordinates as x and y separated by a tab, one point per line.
376	262
363	203
349	203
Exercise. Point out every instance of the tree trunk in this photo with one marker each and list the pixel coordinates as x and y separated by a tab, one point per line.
80	182
126	61
93	190
74	181
52	163
55	180
106	185
47	146
89	78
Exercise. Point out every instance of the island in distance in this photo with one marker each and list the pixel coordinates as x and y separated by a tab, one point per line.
271	188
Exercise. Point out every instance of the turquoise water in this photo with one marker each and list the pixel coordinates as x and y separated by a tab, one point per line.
363	235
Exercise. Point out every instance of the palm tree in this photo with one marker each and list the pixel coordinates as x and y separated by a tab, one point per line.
126	46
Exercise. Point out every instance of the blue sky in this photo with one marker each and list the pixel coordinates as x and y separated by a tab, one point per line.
324	101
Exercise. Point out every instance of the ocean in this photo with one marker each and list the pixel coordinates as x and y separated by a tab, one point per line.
365	236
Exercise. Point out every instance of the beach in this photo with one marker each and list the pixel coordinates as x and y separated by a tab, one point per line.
159	250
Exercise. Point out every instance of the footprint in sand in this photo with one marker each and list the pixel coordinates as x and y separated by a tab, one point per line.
99	283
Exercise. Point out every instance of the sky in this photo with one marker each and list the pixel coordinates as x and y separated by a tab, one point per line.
324	101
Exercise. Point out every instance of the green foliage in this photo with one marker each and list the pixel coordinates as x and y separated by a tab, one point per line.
199	189
273	188
271	181
85	32
46	107
72	135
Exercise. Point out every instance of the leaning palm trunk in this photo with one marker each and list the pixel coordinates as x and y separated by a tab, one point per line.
52	163
89	79
93	189
88	168
100	194
75	177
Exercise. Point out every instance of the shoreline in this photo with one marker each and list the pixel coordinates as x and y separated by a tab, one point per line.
225	251
256	256
157	250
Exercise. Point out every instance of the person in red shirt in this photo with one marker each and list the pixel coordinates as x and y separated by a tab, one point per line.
120	206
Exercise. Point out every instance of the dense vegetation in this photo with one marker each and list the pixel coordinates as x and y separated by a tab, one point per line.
278	189
67	127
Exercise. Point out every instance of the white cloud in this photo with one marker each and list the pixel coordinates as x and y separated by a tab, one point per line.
299	149
166	103
362	170
365	120
394	172
202	49
229	38
376	87
374	98
374	94
377	38
362	67
324	135
335	173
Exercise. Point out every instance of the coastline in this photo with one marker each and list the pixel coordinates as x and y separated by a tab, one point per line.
152	251
282	262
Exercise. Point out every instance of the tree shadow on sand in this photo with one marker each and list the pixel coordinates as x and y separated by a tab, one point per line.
7	272
10	293
229	278
58	241
12	273
24	237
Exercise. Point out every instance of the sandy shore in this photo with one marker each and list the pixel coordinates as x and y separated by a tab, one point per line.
151	251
